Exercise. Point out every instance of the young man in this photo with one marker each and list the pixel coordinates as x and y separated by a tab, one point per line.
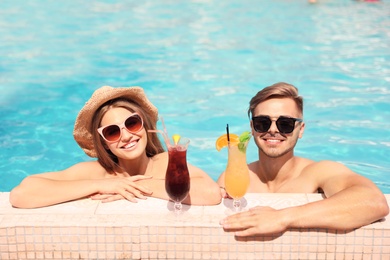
277	123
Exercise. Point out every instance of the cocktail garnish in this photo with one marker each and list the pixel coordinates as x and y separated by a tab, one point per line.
222	141
176	139
244	137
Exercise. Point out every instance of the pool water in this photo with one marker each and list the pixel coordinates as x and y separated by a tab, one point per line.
199	62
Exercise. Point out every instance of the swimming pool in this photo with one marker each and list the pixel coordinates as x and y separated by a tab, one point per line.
199	62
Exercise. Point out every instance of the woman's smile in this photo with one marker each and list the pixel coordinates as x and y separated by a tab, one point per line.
131	145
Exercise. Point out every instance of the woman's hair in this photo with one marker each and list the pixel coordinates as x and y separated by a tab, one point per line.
277	90
105	157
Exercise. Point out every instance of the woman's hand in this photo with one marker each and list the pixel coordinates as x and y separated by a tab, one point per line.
112	189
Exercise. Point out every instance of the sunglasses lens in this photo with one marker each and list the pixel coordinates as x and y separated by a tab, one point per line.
261	124
285	125
134	123
111	133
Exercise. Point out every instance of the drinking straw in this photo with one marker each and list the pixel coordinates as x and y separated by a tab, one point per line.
227	132
164	128
164	133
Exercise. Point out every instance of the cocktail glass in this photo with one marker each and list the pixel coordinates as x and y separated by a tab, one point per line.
177	178
237	173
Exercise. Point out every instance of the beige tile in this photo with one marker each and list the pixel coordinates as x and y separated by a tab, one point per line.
387	196
275	200
126	207
4	200
212	215
151	211
123	230
85	206
313	197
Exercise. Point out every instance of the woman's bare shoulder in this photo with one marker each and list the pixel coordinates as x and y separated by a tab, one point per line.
160	156
87	165
90	169
78	171
160	159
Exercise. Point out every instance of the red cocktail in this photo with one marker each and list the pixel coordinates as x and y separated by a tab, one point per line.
177	178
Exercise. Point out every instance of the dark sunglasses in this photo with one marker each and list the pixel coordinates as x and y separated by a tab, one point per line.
112	133
285	124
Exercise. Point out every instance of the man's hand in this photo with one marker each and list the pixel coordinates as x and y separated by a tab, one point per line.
255	221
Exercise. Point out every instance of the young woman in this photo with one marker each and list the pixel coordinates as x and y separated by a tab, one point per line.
131	162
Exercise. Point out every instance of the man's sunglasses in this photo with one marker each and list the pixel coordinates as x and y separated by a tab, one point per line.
285	124
112	133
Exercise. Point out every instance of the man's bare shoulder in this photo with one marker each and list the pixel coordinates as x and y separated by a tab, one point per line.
303	162
299	163
315	176
330	167
329	175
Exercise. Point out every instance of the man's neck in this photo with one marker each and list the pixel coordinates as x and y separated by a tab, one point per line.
275	171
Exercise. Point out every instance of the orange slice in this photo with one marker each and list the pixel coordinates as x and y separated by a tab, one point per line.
222	141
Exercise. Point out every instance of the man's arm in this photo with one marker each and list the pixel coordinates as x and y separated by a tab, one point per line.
352	201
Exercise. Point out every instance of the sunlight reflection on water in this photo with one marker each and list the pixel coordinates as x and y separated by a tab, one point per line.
200	62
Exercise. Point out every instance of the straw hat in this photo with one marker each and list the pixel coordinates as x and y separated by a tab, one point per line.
82	131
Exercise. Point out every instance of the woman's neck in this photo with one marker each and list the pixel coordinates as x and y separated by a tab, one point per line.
137	166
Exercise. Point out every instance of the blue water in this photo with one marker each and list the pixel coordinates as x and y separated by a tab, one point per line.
199	62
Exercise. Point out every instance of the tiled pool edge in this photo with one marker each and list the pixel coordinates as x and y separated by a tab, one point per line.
87	229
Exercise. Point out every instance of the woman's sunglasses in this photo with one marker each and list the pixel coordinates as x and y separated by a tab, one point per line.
112	133
285	124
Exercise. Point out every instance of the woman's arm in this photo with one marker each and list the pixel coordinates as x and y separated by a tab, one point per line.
76	182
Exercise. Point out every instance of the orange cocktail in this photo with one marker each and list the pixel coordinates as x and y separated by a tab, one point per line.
236	173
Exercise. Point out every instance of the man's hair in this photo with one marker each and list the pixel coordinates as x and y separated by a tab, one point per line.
277	90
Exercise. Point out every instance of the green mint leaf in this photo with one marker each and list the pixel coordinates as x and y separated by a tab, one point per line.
245	136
